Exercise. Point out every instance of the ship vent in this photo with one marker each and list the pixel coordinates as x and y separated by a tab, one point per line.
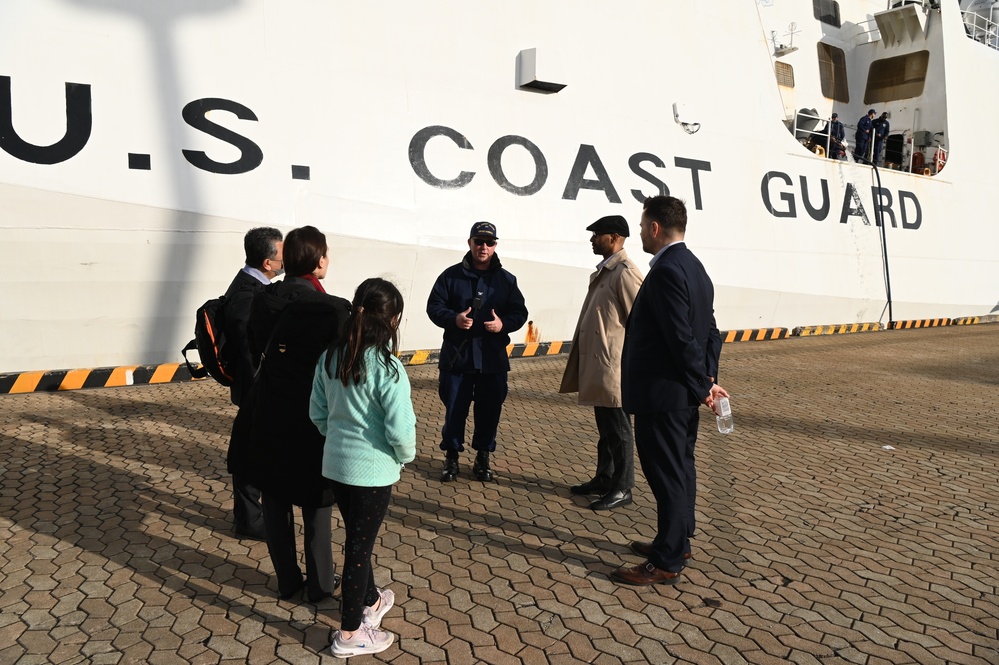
538	71
785	74
901	25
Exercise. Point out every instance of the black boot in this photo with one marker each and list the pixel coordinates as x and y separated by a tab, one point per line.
481	467
450	471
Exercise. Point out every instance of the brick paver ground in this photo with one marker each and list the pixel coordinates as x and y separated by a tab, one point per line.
852	517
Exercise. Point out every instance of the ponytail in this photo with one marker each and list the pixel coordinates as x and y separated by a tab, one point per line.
373	322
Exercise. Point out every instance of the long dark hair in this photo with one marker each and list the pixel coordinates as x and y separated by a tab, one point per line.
377	304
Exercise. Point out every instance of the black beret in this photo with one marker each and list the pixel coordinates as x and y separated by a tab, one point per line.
610	224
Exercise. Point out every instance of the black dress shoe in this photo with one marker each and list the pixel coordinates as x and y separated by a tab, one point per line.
594	486
612	500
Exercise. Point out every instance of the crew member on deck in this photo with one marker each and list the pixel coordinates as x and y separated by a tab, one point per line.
836	136
881	129
865	127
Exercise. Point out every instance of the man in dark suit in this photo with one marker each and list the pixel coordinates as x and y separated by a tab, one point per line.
263	248
669	365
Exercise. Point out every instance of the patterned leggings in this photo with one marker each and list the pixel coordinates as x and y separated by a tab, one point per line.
363	509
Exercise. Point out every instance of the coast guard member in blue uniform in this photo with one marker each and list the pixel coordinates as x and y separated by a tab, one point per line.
836	136
865	128
881	128
478	304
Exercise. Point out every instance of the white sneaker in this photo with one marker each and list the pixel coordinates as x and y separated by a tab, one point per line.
366	640
374	619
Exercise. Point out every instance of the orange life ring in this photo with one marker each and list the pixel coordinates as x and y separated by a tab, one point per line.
940	158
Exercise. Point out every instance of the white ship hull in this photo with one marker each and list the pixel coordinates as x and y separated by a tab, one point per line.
110	249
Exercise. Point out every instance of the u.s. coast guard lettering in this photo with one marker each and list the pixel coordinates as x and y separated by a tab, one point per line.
780	192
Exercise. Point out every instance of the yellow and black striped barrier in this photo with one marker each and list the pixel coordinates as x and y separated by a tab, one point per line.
105	377
754	335
919	323
137	375
836	329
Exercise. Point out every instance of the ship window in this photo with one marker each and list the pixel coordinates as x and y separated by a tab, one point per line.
832	70
827	11
900	77
785	74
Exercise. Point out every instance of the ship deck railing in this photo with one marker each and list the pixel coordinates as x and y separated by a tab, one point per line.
981	29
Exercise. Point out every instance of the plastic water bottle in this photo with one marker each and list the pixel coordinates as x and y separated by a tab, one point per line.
723	415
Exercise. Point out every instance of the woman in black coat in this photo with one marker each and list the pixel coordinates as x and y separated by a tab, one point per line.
291	323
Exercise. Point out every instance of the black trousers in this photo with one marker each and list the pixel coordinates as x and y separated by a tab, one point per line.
665	443
247	513
615	449
279	518
457	392
363	510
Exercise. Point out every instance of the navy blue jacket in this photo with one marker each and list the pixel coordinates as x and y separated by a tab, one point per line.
864	127
881	129
671	344
836	131
454	291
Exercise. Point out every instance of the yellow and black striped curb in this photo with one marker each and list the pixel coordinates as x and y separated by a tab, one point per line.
105	377
836	329
529	350
137	375
754	335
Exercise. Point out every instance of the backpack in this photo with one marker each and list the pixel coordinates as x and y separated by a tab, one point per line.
209	342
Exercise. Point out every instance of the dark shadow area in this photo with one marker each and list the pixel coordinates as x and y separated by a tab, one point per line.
158	20
81	489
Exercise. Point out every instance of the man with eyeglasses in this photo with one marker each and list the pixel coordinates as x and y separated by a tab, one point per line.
478	304
263	248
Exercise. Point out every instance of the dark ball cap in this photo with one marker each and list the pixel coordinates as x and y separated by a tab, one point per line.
835	115
872	112
610	224
482	230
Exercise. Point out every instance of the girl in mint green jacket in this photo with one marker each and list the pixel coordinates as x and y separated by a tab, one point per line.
361	404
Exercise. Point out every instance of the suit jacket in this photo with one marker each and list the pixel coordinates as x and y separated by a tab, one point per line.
594	366
671	344
238	298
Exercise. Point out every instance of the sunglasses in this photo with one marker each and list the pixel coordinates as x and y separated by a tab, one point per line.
488	242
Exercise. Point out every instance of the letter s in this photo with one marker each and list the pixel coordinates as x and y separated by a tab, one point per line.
195	114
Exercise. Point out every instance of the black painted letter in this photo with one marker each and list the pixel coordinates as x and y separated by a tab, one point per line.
79	122
495	160
636	167
195	114
418	157
820	213
787	198
883	201
694	165
587	156
909	196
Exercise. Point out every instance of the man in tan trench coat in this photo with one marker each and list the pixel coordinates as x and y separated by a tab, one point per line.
594	367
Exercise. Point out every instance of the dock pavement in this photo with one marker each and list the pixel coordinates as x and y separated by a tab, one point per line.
851	517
